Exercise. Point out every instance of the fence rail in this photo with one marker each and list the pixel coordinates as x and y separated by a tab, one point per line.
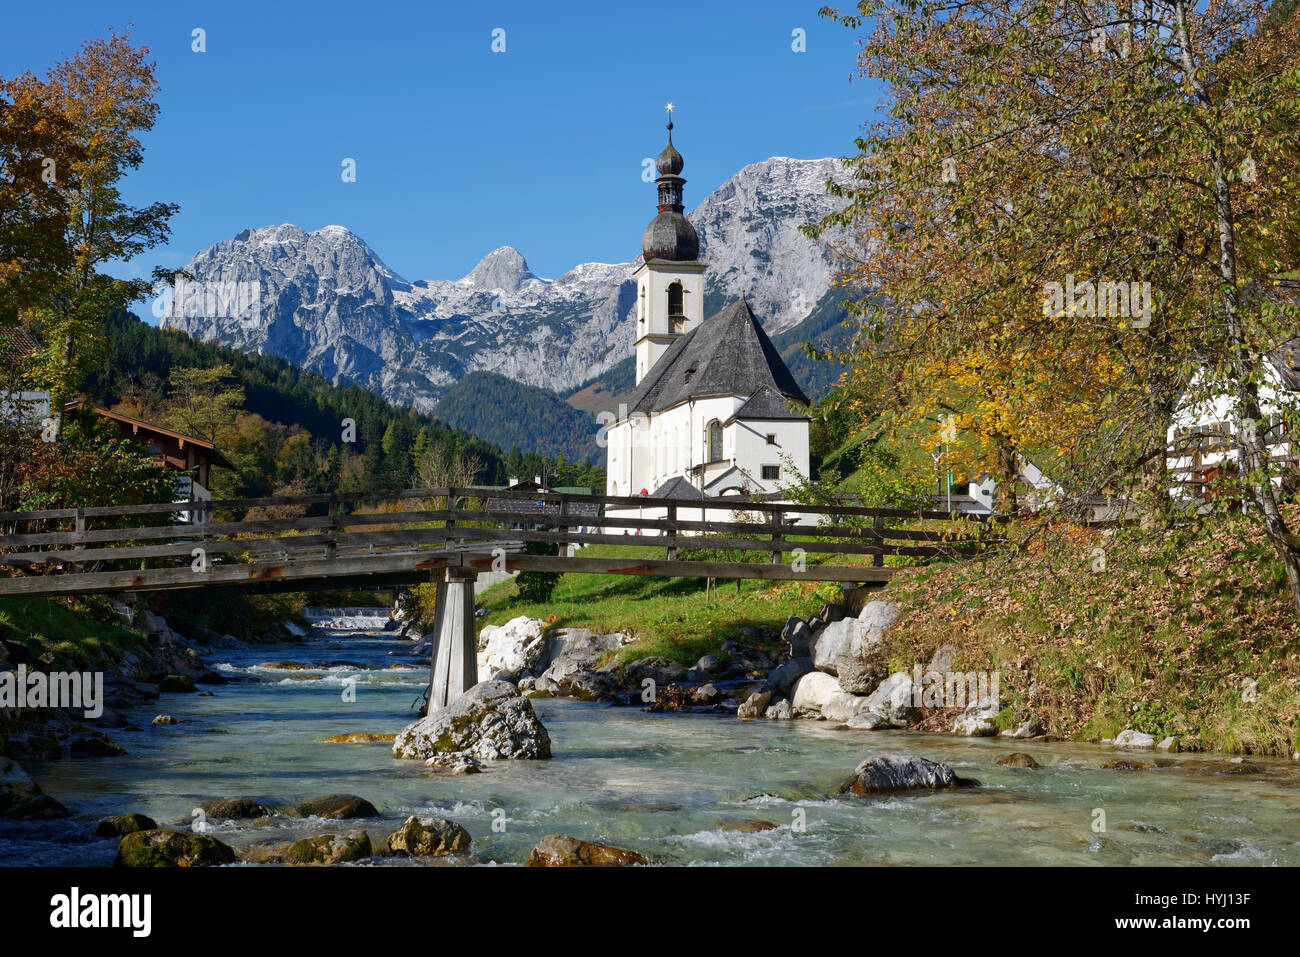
409	535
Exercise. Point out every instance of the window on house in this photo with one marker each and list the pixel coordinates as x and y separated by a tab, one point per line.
771	472
715	441
771	438
155	450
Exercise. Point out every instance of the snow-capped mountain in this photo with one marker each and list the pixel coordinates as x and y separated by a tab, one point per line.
326	301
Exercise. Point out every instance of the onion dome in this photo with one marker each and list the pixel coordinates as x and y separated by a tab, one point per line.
670	234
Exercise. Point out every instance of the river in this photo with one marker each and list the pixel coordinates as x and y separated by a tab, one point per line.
668	786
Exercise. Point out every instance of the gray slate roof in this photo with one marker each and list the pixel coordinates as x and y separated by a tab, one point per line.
726	354
677	487
766	403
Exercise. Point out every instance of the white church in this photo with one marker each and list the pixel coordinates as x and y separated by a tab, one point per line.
711	412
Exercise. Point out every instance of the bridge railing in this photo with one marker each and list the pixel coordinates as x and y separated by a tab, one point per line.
409	534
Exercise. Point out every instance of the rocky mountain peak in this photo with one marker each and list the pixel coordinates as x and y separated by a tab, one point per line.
503	268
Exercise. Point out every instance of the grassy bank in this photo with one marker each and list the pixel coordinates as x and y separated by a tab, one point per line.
668	617
1190	635
79	634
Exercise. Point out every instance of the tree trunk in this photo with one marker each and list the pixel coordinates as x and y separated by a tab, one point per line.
1008	474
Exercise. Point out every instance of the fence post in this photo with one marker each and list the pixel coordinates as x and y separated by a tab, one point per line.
671	531
563	545
79	526
778	540
451	522
332	510
878	526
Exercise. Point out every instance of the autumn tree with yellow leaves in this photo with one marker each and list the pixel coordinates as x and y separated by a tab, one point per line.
1141	156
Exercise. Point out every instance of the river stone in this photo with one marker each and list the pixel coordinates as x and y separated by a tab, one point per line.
177	684
837	640
489	721
159	847
572	652
239	809
832	612
1032	728
1019	759
746	825
662	671
894	699
754	705
556	850
710	664
22	798
977	720
123	824
1134	739
164	720
813	690
328	849
867	720
512	648
340	807
781	711
862	673
427	837
887	773
841	707
798	635
780	680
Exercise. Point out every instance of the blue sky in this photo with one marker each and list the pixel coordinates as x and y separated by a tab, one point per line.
458	149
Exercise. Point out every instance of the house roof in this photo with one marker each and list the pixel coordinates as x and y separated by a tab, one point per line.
732	476
765	404
136	424
677	487
726	354
16	344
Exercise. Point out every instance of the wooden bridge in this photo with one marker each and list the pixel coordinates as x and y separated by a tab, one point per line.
449	535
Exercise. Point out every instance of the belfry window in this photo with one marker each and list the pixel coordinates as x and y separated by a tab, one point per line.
676	308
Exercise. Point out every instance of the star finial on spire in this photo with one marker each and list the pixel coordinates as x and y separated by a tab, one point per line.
669	108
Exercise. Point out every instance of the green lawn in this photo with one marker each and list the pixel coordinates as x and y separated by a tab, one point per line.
670	617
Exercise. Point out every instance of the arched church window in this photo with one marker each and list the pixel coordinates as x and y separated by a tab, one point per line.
715	441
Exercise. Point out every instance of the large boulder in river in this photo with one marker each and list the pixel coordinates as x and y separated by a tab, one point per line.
328	849
121	825
977	720
427	837
888	773
813	690
572	654
22	798
163	848
489	721
556	850
512	648
338	807
852	637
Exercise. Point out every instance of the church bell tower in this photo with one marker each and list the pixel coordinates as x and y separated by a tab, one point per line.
670	282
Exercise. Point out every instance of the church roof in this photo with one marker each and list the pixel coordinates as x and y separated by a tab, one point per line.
766	403
726	354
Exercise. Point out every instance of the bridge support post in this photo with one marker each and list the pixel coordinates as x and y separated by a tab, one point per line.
455	654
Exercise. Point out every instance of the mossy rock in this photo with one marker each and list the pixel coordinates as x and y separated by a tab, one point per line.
242	809
361	737
26	746
163	848
121	825
1019	760
178	684
427	837
328	849
1124	765
556	850
338	807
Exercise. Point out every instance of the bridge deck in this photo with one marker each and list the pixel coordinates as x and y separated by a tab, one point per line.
62	552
